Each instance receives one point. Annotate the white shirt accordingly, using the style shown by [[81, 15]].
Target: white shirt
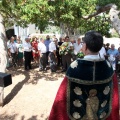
[[92, 57], [77, 48], [52, 47], [42, 48], [12, 47], [8, 42], [102, 52], [27, 47]]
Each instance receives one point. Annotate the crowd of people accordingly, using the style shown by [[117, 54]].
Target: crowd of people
[[47, 52], [89, 90], [90, 83], [43, 52]]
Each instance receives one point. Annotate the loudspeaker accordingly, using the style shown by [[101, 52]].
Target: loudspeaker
[[5, 79]]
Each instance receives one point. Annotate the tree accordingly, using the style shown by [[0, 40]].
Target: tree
[[113, 12], [69, 15], [3, 56], [21, 12]]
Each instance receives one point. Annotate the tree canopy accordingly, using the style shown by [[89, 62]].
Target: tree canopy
[[68, 12]]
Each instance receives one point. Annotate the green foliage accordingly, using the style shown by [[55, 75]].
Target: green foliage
[[105, 2], [27, 11], [68, 12], [115, 34], [98, 23], [80, 55]]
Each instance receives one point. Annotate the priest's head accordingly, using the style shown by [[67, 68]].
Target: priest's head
[[92, 43]]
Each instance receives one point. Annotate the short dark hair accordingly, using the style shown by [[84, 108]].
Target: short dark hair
[[93, 40], [67, 37]]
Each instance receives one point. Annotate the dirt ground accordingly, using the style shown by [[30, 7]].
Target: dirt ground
[[31, 95]]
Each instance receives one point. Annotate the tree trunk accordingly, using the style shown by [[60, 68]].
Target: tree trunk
[[67, 30], [3, 56], [114, 18], [114, 15], [41, 31]]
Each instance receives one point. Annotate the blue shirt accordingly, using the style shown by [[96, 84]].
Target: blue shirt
[[112, 57], [47, 42], [113, 52]]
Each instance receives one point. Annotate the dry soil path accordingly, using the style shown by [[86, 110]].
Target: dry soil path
[[31, 95]]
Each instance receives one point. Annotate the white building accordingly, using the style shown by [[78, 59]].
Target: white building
[[24, 32]]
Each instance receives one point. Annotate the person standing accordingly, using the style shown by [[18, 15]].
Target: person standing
[[13, 51], [42, 53], [52, 55], [112, 54], [66, 58], [20, 52], [107, 46], [35, 50], [27, 53], [118, 62], [47, 42], [102, 53], [59, 57], [15, 38], [89, 90], [77, 48]]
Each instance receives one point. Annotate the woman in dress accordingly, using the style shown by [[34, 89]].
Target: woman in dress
[[35, 50], [20, 52]]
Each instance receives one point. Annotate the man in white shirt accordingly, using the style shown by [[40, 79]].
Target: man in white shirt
[[27, 53], [102, 53], [52, 55], [13, 51], [77, 48], [112, 54], [42, 52]]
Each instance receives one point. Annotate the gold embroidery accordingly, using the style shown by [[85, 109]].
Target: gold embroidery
[[78, 91], [92, 106], [74, 64], [104, 103], [107, 90], [76, 115], [77, 103], [103, 115], [68, 101], [108, 63], [88, 82]]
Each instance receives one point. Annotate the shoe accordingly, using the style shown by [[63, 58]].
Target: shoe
[[53, 71], [63, 70], [26, 69], [45, 69], [40, 69], [30, 68]]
